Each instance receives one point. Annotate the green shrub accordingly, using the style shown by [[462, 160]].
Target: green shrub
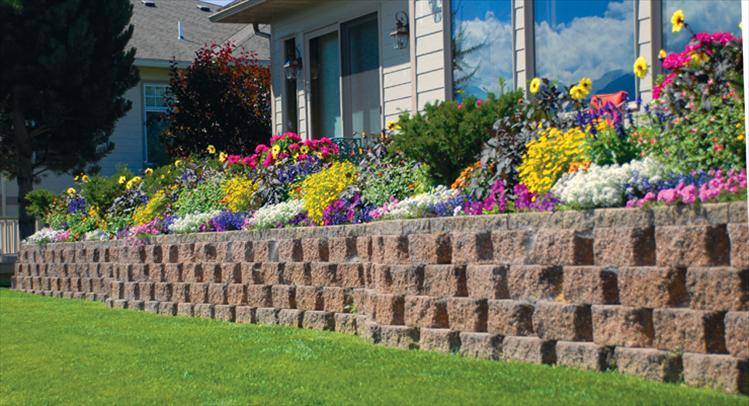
[[205, 197], [612, 145], [39, 202], [447, 136], [393, 177]]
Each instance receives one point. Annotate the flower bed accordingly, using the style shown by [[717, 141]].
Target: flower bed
[[553, 150]]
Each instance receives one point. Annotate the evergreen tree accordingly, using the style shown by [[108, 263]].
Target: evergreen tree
[[64, 68]]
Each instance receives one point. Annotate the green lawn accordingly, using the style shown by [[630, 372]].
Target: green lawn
[[58, 351]]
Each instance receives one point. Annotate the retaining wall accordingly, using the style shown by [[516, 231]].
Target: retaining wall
[[661, 293]]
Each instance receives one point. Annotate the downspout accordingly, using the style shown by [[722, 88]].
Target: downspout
[[256, 27], [745, 47]]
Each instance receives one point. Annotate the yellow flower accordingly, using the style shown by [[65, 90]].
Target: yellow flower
[[741, 25], [393, 125], [84, 178], [304, 149], [586, 84], [177, 163], [71, 191], [222, 157], [535, 85], [148, 171], [133, 182], [677, 20], [122, 180], [741, 137], [211, 149], [577, 92], [700, 57], [276, 149], [662, 54], [641, 67], [161, 177], [76, 178]]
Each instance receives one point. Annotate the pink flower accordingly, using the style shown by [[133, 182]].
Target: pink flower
[[460, 106], [668, 196], [283, 155], [261, 148], [274, 138], [302, 157], [268, 161], [688, 194], [233, 159], [478, 103], [293, 147]]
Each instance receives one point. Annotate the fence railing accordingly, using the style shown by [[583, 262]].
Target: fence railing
[[10, 238]]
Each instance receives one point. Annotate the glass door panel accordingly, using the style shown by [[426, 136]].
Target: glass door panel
[[361, 75], [325, 86]]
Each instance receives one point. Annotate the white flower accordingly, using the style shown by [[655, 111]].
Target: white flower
[[275, 215], [604, 186], [44, 236], [96, 235], [415, 206], [191, 223]]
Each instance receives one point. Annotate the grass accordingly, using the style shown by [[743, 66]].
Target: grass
[[58, 351]]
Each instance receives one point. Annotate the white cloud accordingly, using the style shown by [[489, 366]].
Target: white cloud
[[709, 16], [588, 46], [494, 60]]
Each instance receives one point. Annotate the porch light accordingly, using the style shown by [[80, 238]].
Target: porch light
[[400, 35], [292, 67]]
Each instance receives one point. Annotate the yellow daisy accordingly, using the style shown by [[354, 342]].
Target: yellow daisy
[[677, 20], [211, 149], [640, 67], [535, 85]]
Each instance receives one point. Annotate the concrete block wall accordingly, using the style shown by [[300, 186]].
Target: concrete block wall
[[662, 294]]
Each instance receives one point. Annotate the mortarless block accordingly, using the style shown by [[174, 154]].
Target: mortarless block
[[284, 296], [203, 310], [185, 309], [236, 294], [534, 282], [472, 248], [583, 355], [511, 246], [661, 366], [717, 371], [342, 249], [487, 282], [309, 298], [231, 272], [718, 289], [429, 248], [318, 320], [685, 330], [245, 314], [624, 246], [224, 312], [445, 280], [692, 245], [336, 300], [297, 273], [323, 274], [467, 314], [652, 287], [315, 249], [351, 275], [388, 309], [562, 247], [290, 317], [199, 293], [266, 315], [217, 293], [528, 349], [510, 317], [559, 321], [439, 339], [622, 326], [403, 337], [290, 250], [426, 312], [480, 345], [739, 236], [590, 285], [345, 323], [259, 296], [737, 334]]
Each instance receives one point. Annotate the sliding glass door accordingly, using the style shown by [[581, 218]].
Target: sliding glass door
[[325, 86], [361, 75]]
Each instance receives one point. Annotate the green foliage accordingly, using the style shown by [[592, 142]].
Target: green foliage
[[157, 205], [162, 360], [446, 136], [612, 146], [40, 202], [205, 197], [699, 140], [393, 177], [100, 191]]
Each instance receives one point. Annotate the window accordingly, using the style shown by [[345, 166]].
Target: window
[[290, 105], [702, 16], [155, 108], [582, 38], [481, 46], [361, 76], [325, 86]]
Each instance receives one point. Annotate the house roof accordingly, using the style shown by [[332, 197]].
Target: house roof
[[156, 40], [257, 11]]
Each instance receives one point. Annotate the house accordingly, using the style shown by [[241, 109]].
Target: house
[[165, 30], [341, 68]]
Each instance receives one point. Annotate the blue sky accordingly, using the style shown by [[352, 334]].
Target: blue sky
[[220, 3]]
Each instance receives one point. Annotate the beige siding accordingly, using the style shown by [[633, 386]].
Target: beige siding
[[429, 32], [648, 14], [523, 42]]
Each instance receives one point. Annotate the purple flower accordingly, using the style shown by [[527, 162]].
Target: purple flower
[[227, 220], [76, 204]]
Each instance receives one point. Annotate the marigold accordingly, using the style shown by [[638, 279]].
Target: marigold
[[640, 67], [677, 20]]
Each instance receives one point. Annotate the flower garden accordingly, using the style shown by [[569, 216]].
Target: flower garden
[[555, 148]]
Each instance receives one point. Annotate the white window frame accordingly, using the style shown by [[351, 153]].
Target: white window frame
[[150, 109]]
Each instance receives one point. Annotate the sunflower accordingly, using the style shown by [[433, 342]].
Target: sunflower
[[640, 67], [535, 85], [677, 20], [393, 125], [577, 92], [662, 54], [586, 84], [211, 149]]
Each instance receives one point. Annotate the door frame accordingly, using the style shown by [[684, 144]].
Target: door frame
[[308, 36]]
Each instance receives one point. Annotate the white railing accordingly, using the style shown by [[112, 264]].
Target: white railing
[[10, 238]]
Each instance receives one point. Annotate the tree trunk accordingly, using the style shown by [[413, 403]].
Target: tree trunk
[[24, 171]]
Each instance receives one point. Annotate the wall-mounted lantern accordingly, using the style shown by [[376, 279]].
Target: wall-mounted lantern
[[400, 35], [292, 67]]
